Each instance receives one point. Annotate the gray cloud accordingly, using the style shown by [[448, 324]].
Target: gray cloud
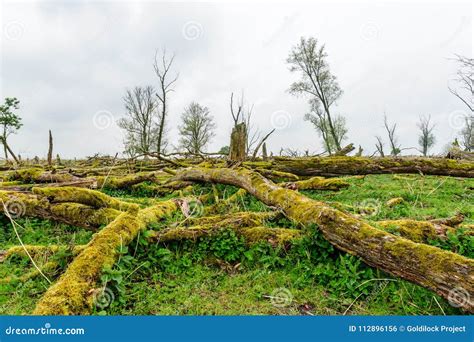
[[66, 61]]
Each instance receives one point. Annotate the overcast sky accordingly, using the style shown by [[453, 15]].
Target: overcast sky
[[69, 63]]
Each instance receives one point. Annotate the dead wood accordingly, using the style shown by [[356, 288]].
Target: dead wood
[[433, 268]]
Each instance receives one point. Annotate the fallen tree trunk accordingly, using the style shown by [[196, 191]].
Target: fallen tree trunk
[[70, 211], [71, 294], [417, 231], [252, 235], [336, 166], [440, 271], [318, 183]]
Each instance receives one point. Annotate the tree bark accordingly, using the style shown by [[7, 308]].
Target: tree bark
[[238, 142], [336, 166], [50, 149], [441, 271], [71, 294]]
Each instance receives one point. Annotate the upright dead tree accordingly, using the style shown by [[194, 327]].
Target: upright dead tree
[[426, 139], [379, 146], [392, 137], [50, 149], [238, 137], [310, 60], [162, 66]]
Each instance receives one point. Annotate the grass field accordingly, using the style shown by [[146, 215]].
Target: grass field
[[222, 275]]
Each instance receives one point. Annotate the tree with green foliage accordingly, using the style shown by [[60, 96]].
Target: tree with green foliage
[[197, 128], [310, 60], [10, 122]]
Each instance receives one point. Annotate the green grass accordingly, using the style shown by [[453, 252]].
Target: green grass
[[222, 276]]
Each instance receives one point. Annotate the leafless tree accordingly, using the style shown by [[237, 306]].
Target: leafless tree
[[379, 146], [242, 113], [197, 128], [395, 148], [464, 90], [162, 65], [426, 139], [141, 121], [318, 82]]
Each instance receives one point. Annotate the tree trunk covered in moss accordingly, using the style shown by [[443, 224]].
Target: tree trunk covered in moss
[[238, 143], [71, 294], [417, 231], [336, 166], [441, 271]]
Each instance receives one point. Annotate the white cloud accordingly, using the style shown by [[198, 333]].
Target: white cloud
[[74, 59]]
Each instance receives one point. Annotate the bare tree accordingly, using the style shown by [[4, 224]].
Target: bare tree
[[162, 66], [395, 148], [141, 121], [426, 139], [379, 146], [465, 82], [318, 82], [197, 128]]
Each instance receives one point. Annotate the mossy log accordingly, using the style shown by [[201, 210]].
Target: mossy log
[[245, 218], [336, 166], [39, 251], [277, 176], [431, 267], [74, 214], [453, 221], [88, 197], [252, 235], [125, 182], [318, 183], [38, 175], [49, 266], [417, 231], [71, 293]]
